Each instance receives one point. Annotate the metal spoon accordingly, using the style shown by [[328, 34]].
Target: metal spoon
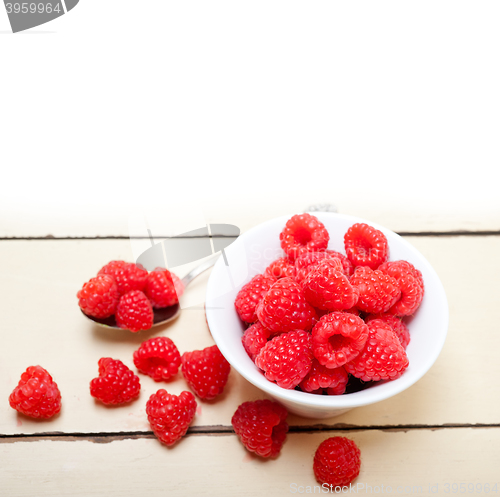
[[164, 314]]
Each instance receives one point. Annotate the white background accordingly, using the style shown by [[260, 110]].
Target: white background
[[250, 109]]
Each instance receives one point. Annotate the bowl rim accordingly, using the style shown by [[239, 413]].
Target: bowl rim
[[384, 389]]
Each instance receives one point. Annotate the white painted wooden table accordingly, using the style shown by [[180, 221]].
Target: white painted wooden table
[[441, 436]]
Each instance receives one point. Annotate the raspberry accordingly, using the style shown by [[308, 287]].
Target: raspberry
[[307, 261], [338, 338], [127, 275], [261, 426], [303, 233], [377, 291], [170, 415], [206, 371], [366, 246], [280, 268], [346, 263], [99, 297], [158, 358], [116, 383], [382, 358], [134, 312], [254, 338], [36, 394], [397, 325], [284, 308], [397, 269], [325, 287], [160, 288], [250, 295], [322, 377], [286, 358], [337, 462]]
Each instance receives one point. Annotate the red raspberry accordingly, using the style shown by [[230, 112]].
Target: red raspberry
[[158, 358], [303, 233], [250, 295], [206, 371], [366, 246], [377, 291], [398, 269], [116, 383], [346, 263], [322, 377], [383, 357], [261, 426], [397, 325], [338, 338], [36, 394], [254, 338], [286, 358], [170, 415], [280, 268], [337, 462], [160, 288], [285, 308], [307, 261], [134, 312], [127, 275], [325, 287], [99, 297]]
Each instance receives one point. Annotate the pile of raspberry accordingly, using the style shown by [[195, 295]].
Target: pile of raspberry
[[318, 317], [130, 294]]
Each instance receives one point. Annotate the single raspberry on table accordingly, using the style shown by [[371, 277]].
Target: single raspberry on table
[[134, 312], [382, 358], [320, 377], [325, 287], [116, 383], [254, 338], [397, 325], [161, 288], [36, 394], [280, 268], [378, 292], [128, 276], [99, 297], [338, 338], [170, 415], [284, 308], [366, 246], [286, 358], [158, 358], [337, 461], [303, 233], [206, 371], [250, 295], [261, 426]]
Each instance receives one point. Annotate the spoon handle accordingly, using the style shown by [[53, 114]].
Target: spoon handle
[[199, 269]]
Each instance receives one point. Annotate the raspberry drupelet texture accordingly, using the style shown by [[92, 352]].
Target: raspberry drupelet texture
[[398, 269], [308, 260], [326, 287], [338, 338], [397, 325], [99, 297], [36, 394], [337, 461], [250, 295], [366, 246], [320, 377], [206, 371], [254, 338], [160, 288], [134, 312], [284, 308], [303, 233], [286, 358], [128, 276], [116, 383], [261, 426], [170, 415], [280, 268], [378, 292], [158, 358], [382, 358]]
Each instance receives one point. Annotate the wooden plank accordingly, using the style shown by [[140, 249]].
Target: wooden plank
[[42, 324], [419, 462]]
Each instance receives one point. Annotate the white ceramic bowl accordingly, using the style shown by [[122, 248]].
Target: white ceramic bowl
[[255, 249]]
